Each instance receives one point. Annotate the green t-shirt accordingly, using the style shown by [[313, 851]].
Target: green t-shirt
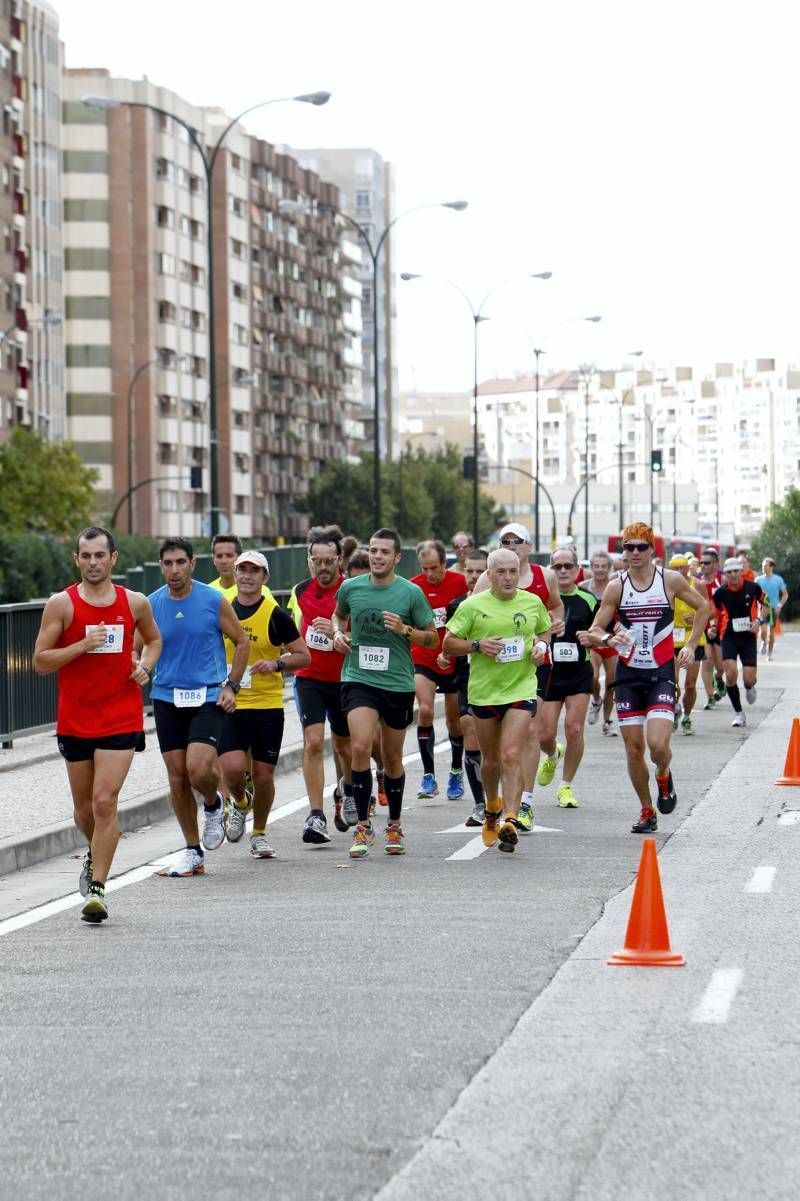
[[380, 658], [512, 675]]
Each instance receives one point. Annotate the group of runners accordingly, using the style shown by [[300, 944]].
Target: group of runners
[[511, 646]]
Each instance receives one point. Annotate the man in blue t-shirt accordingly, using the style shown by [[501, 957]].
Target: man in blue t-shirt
[[191, 692], [776, 595]]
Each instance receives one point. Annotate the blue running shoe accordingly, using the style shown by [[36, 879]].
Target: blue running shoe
[[455, 785], [428, 786]]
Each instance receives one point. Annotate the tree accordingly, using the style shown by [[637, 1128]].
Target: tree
[[44, 487], [780, 540]]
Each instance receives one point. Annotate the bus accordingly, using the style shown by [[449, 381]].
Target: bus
[[668, 545]]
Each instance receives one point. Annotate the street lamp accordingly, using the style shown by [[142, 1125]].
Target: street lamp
[[477, 318], [140, 370], [374, 252], [208, 160]]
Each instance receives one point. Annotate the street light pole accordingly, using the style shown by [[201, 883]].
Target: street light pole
[[538, 351], [208, 160], [139, 371]]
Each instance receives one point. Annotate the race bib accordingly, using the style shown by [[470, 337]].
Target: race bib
[[439, 617], [317, 641], [742, 625], [189, 698], [512, 650], [247, 677], [373, 658], [113, 642], [564, 652], [679, 635]]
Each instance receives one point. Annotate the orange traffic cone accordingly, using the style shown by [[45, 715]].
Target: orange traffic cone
[[647, 936], [791, 768]]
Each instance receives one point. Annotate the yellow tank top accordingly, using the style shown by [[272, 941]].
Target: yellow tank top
[[683, 622], [258, 690]]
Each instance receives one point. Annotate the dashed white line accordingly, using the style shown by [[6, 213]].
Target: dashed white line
[[790, 818], [762, 879], [715, 1005]]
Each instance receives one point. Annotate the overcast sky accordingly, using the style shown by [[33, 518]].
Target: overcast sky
[[644, 152]]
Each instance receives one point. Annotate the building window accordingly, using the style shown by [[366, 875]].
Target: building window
[[166, 310], [241, 504], [164, 216], [165, 169], [363, 200], [167, 406], [165, 264]]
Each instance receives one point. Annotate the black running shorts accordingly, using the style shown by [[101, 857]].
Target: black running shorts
[[318, 701], [396, 709], [740, 646], [498, 712], [445, 683], [176, 728], [556, 684], [79, 750], [259, 731]]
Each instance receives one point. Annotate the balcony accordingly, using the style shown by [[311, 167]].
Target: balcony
[[21, 319], [20, 262]]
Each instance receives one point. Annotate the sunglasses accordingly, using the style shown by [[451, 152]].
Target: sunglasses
[[564, 566], [706, 562], [511, 541], [322, 562], [630, 547], [460, 545]]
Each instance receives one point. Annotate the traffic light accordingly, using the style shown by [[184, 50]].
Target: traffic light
[[195, 477], [656, 461], [468, 467]]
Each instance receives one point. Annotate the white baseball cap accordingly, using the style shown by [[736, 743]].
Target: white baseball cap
[[517, 530], [732, 565], [253, 556]]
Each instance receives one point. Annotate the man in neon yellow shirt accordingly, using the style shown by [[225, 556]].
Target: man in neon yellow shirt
[[502, 632], [225, 550], [681, 631]]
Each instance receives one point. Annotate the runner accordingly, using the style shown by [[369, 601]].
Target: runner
[[642, 599], [435, 672], [776, 595], [713, 679], [683, 622], [743, 555], [225, 549], [318, 686], [737, 603], [462, 544], [502, 632], [359, 565], [474, 567], [191, 693], [252, 735], [388, 615], [100, 720], [604, 658], [565, 680]]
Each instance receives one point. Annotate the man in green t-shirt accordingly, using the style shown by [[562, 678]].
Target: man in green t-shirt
[[386, 614], [500, 630]]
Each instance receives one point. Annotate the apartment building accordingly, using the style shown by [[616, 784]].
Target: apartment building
[[32, 393]]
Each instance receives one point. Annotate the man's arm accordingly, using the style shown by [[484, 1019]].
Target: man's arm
[[427, 636], [229, 624], [148, 637], [696, 599], [597, 634], [57, 615]]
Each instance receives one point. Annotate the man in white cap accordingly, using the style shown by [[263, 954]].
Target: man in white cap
[[541, 582], [256, 725], [738, 603]]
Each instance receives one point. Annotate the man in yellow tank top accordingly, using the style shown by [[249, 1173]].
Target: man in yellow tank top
[[681, 631], [257, 724]]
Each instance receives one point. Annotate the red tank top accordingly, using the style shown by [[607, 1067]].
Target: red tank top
[[96, 696], [538, 585]]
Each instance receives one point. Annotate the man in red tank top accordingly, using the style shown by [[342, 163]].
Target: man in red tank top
[[86, 636]]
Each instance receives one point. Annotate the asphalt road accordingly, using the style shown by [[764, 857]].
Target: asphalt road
[[301, 1028]]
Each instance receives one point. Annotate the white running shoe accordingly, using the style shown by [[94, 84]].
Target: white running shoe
[[237, 818], [214, 825], [608, 729], [349, 810], [594, 711], [739, 720], [190, 863], [750, 695], [260, 848]]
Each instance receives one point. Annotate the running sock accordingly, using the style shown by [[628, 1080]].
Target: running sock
[[663, 784], [472, 765], [456, 752], [526, 799], [316, 813], [362, 794], [239, 804], [255, 833], [98, 886], [348, 789], [199, 849], [554, 757], [213, 808], [426, 740], [394, 794], [380, 776], [735, 699]]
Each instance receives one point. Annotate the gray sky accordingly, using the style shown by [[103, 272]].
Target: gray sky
[[645, 152]]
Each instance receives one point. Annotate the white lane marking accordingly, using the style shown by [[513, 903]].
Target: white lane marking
[[762, 879], [470, 850], [791, 818], [716, 1002], [464, 829]]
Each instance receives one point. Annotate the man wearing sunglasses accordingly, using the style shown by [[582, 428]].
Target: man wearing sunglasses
[[738, 603], [710, 579], [462, 544], [642, 599]]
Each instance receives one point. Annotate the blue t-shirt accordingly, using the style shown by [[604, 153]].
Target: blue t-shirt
[[193, 655], [773, 585]]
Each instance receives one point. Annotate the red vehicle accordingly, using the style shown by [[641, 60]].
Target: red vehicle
[[690, 544]]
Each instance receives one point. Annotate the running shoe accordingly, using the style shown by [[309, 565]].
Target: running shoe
[[428, 786], [349, 810], [524, 819], [363, 839], [769, 656], [547, 768], [711, 703], [338, 819], [566, 797], [382, 797], [686, 725], [739, 720], [455, 785], [609, 730], [237, 818], [750, 695], [477, 817], [85, 878], [677, 716], [491, 826], [316, 829], [720, 687], [214, 825], [95, 910], [647, 823], [507, 836], [191, 863], [594, 711], [666, 801], [260, 848], [763, 648], [393, 841]]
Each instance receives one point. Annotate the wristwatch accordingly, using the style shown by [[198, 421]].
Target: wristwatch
[[605, 638], [475, 645], [230, 684], [407, 632]]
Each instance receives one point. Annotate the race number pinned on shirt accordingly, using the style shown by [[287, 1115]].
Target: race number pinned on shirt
[[373, 658], [189, 698], [512, 650], [247, 677], [564, 652], [742, 625], [439, 618], [113, 642], [317, 641], [679, 635]]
